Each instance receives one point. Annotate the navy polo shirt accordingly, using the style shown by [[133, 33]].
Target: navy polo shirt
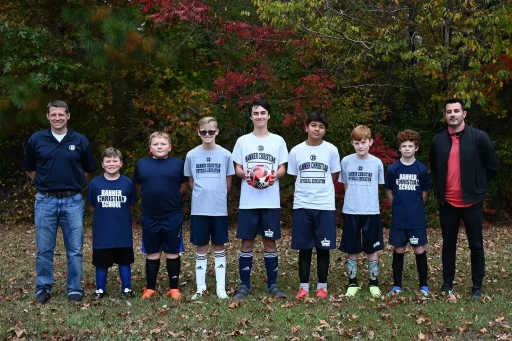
[[59, 166], [160, 181]]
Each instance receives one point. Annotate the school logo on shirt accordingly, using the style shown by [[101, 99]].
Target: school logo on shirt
[[111, 198], [260, 148], [260, 159], [208, 169], [71, 147], [312, 157], [313, 172], [360, 178], [407, 182]]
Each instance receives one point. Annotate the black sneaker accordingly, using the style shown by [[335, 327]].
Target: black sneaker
[[127, 293], [99, 294], [446, 289], [75, 298], [477, 294], [276, 292], [243, 292], [43, 297]]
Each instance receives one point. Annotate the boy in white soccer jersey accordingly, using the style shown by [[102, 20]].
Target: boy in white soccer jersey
[[315, 166], [209, 168], [361, 174], [407, 188], [259, 206]]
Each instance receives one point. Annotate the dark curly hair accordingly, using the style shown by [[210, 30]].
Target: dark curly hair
[[408, 135]]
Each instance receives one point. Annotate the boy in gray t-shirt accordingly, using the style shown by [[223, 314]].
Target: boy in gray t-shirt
[[210, 169], [361, 173]]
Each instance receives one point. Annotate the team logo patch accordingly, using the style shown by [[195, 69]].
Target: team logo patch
[[208, 159], [260, 148], [325, 242], [269, 233], [71, 147], [413, 240], [360, 168], [312, 157]]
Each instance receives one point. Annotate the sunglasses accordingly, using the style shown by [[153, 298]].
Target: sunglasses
[[209, 132]]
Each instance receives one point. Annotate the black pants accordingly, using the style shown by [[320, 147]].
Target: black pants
[[472, 217]]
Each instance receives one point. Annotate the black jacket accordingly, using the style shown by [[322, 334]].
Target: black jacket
[[478, 163]]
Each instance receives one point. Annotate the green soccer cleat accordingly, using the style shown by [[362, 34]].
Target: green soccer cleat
[[375, 291], [352, 291]]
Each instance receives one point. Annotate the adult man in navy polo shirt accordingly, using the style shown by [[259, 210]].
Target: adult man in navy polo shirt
[[462, 160], [58, 160]]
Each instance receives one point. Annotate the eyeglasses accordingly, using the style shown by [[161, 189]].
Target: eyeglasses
[[209, 132]]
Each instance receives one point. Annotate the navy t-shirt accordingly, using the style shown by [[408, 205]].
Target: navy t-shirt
[[160, 180], [408, 183], [112, 220], [59, 166]]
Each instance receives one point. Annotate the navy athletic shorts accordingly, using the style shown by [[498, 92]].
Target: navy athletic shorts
[[313, 228], [203, 227], [265, 222], [361, 233]]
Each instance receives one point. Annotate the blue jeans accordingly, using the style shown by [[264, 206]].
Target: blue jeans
[[49, 212]]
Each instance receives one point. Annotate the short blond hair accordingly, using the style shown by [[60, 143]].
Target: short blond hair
[[111, 152], [361, 132], [205, 120], [159, 134]]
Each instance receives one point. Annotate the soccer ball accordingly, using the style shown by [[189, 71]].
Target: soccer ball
[[260, 177]]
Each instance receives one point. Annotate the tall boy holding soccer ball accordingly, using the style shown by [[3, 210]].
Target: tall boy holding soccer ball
[[260, 159]]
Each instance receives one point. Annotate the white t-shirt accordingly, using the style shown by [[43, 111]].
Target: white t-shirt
[[58, 137], [313, 166], [209, 168], [270, 152], [363, 178]]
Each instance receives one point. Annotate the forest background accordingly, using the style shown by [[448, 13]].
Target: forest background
[[128, 68]]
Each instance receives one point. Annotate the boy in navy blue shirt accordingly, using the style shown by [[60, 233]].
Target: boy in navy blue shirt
[[110, 196], [406, 188], [162, 183]]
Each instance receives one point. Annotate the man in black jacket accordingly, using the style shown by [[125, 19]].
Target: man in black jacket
[[462, 160]]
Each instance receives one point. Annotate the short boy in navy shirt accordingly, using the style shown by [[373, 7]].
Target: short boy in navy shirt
[[406, 188], [110, 197], [161, 182]]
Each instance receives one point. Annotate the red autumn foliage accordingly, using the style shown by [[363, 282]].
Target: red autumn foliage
[[177, 10]]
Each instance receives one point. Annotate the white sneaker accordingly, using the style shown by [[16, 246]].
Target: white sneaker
[[221, 293], [198, 295]]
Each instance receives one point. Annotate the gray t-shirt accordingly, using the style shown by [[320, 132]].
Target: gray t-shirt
[[209, 168], [363, 178]]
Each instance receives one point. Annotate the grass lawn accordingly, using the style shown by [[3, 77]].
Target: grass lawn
[[407, 317]]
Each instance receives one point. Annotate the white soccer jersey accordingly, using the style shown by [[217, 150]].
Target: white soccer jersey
[[313, 166], [269, 152]]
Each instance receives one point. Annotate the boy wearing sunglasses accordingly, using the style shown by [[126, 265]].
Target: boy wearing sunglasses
[[209, 168]]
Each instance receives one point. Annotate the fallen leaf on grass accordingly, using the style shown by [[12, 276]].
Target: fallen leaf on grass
[[371, 334], [294, 330], [422, 336], [235, 304], [353, 317]]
